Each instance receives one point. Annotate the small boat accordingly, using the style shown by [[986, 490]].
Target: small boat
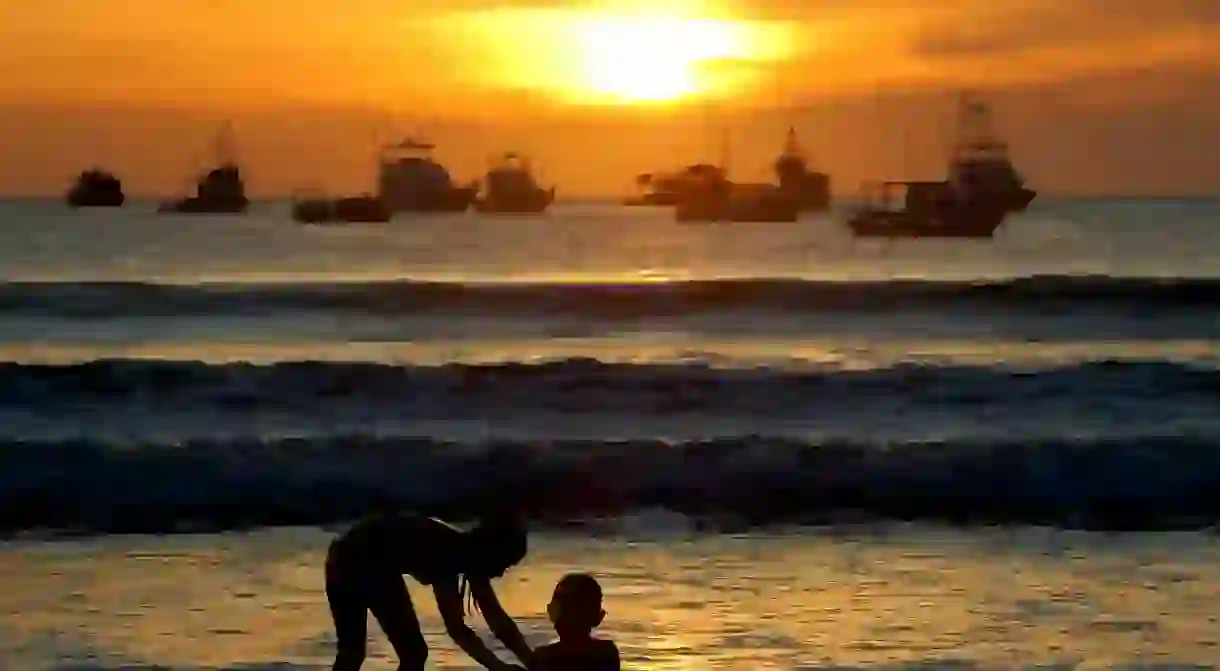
[[710, 196], [510, 188], [410, 180], [219, 191], [96, 188], [352, 209]]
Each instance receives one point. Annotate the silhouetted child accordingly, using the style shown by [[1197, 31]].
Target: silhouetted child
[[364, 572], [576, 610]]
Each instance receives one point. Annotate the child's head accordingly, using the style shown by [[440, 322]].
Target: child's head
[[576, 605]]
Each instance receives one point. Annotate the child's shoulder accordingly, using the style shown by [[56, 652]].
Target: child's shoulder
[[595, 654]]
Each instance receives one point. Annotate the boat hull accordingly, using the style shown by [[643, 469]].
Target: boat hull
[[652, 200], [977, 223], [201, 206], [458, 199], [355, 210], [535, 203], [751, 210], [79, 200]]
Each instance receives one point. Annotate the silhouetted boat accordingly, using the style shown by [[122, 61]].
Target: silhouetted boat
[[666, 188], [810, 189], [96, 188], [708, 195], [982, 190], [510, 188], [409, 180], [219, 191], [353, 209]]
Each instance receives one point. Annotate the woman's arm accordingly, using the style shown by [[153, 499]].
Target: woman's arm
[[501, 625], [449, 603]]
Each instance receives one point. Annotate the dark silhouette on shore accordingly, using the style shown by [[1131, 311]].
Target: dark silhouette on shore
[[575, 611], [364, 572]]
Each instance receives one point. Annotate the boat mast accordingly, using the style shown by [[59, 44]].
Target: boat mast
[[225, 150], [975, 130]]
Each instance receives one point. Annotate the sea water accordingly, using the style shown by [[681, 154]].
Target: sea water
[[206, 374]]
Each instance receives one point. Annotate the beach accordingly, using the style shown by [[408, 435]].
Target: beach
[[897, 597]]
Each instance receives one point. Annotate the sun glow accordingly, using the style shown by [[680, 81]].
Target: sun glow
[[616, 55], [651, 59]]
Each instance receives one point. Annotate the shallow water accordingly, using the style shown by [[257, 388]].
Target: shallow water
[[884, 598]]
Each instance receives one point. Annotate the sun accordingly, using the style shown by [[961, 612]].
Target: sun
[[623, 52], [642, 59], [650, 59]]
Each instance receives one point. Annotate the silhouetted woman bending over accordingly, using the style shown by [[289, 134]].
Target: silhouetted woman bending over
[[364, 572]]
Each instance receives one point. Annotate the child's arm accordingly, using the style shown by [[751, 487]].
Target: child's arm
[[449, 603]]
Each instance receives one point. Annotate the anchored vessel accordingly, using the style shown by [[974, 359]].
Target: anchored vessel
[[410, 180], [96, 188], [220, 190], [713, 197], [510, 188], [982, 190]]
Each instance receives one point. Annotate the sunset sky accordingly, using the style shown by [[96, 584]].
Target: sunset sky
[[1095, 95]]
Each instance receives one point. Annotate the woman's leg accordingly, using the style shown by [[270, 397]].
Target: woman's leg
[[350, 613], [391, 605]]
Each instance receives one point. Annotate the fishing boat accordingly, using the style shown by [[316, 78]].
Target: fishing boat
[[510, 188], [96, 188], [982, 190], [221, 190], [709, 196], [409, 179]]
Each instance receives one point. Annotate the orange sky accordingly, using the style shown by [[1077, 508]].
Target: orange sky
[[1096, 95]]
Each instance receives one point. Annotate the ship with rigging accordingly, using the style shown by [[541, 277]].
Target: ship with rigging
[[221, 190], [983, 188]]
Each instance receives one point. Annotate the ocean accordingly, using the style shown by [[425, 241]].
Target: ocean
[[779, 446]]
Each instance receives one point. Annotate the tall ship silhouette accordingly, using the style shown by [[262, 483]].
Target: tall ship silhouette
[[511, 188], [221, 190], [810, 189], [410, 180], [983, 188], [96, 188]]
